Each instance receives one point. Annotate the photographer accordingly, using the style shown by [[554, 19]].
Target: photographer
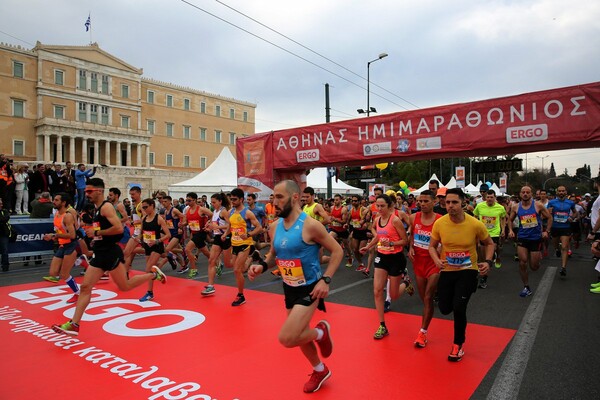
[[7, 183]]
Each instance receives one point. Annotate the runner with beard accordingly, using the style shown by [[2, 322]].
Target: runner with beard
[[561, 208], [296, 240], [339, 227]]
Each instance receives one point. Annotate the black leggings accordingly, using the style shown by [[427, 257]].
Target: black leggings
[[454, 291]]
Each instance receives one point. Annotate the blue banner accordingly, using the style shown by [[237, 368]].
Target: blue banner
[[30, 236]]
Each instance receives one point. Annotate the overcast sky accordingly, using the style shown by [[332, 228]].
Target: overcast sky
[[440, 52]]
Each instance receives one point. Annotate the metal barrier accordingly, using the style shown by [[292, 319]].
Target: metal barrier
[[30, 238]]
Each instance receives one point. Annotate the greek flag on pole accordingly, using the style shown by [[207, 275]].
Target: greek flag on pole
[[88, 23]]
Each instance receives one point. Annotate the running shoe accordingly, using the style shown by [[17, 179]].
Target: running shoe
[[325, 344], [316, 380], [595, 290], [482, 283], [569, 253], [239, 300], [498, 263], [563, 272], [68, 328], [595, 285], [456, 354], [219, 269], [183, 269], [83, 261], [105, 277], [208, 290], [73, 299], [557, 253], [172, 261], [366, 272], [382, 332], [52, 279], [147, 296], [387, 305], [421, 340], [160, 276], [361, 268], [193, 272], [516, 257], [410, 289], [525, 292], [256, 256], [349, 263]]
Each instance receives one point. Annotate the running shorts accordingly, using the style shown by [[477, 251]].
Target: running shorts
[[301, 295], [394, 264]]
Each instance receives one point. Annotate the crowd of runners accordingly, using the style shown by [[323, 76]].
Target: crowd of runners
[[450, 240]]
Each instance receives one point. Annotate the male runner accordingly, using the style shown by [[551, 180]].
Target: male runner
[[339, 227], [560, 208], [295, 250], [261, 215], [373, 210], [64, 234], [220, 227], [427, 273], [107, 231], [530, 234], [458, 233], [196, 218], [493, 216], [240, 219], [133, 247], [358, 224], [173, 217], [312, 208]]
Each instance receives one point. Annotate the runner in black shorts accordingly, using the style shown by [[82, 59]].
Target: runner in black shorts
[[107, 231]]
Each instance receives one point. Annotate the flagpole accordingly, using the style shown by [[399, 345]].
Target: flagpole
[[90, 15]]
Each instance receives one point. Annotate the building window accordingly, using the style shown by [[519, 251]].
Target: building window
[[186, 104], [151, 126], [169, 100], [231, 138], [94, 82], [169, 129], [186, 132], [18, 108], [82, 80], [82, 112], [218, 111], [105, 84], [245, 116], [124, 121], [217, 136], [59, 112], [150, 97], [17, 69], [203, 107], [104, 120], [186, 161], [169, 160], [94, 113], [231, 113], [203, 162], [59, 77], [151, 160], [18, 148], [203, 134], [125, 91]]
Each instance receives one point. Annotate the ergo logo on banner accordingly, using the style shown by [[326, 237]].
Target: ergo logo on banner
[[307, 155], [527, 133], [112, 309]]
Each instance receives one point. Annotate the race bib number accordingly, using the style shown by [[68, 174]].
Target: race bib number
[[236, 234], [148, 236], [291, 272], [422, 239], [384, 245], [170, 224], [489, 222], [529, 221], [561, 217], [96, 226], [336, 223], [194, 226], [458, 259], [356, 224]]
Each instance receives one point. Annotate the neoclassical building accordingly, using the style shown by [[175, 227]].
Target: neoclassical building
[[82, 104]]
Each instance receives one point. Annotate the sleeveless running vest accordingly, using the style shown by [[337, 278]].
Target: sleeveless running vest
[[310, 211], [59, 227], [387, 234], [530, 223], [422, 235], [172, 222], [102, 223], [239, 227], [151, 230]]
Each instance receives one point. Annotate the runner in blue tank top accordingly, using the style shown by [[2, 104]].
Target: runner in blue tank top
[[296, 240], [561, 209], [530, 234]]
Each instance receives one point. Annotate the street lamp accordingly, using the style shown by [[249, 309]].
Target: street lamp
[[370, 109], [542, 157]]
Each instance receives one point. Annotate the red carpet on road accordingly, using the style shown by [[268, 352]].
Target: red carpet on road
[[182, 346]]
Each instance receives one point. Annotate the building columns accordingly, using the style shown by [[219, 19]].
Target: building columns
[[139, 155], [147, 156], [84, 151], [97, 151], [46, 148], [59, 154], [119, 154], [107, 153], [128, 154], [71, 149]]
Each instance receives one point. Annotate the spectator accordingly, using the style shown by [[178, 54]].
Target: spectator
[[4, 236], [81, 177], [42, 207], [21, 189], [39, 181], [7, 184], [55, 179]]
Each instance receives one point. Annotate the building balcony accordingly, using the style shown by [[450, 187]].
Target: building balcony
[[100, 131]]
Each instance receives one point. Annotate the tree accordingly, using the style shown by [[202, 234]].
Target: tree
[[552, 173]]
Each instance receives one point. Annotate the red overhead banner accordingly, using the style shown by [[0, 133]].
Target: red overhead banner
[[547, 120], [255, 165]]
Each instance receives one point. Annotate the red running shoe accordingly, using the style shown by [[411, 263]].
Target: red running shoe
[[316, 380], [73, 299], [325, 344]]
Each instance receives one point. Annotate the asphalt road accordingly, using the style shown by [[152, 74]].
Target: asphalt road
[[558, 360]]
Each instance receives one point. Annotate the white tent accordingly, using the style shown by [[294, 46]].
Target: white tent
[[317, 179], [471, 189], [451, 183], [426, 185], [219, 176]]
